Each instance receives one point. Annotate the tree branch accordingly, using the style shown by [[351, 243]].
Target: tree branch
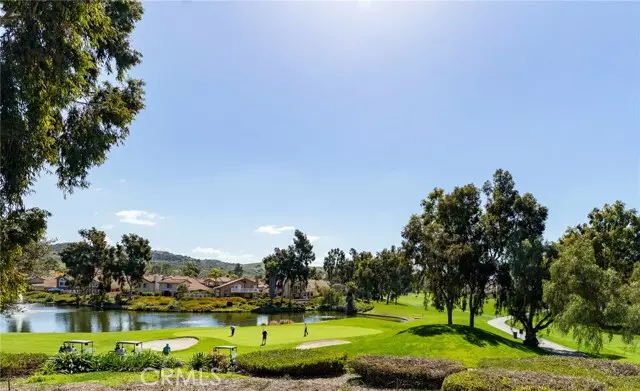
[[8, 16]]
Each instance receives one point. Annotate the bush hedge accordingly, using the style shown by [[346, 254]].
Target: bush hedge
[[20, 364], [217, 361], [294, 363], [82, 362], [404, 372], [574, 366], [505, 380]]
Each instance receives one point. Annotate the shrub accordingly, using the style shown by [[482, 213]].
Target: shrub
[[20, 364], [72, 363], [362, 306], [574, 366], [294, 363], [212, 361], [82, 362], [134, 362], [404, 372], [504, 380]]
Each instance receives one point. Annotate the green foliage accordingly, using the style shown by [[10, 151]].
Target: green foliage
[[289, 265], [404, 372], [211, 361], [71, 363], [190, 269], [238, 270], [215, 273], [85, 259], [334, 266], [514, 224], [560, 365], [362, 306], [136, 256], [503, 380], [20, 364], [82, 362], [595, 283], [57, 112], [331, 298], [190, 304], [19, 230], [294, 363]]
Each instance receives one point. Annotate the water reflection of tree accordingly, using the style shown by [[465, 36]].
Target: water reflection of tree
[[76, 321]]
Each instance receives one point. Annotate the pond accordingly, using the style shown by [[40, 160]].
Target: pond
[[40, 318]]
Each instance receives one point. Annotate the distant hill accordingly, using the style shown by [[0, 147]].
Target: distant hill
[[176, 260]]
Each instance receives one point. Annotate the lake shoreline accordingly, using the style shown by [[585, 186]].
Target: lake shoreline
[[38, 318]]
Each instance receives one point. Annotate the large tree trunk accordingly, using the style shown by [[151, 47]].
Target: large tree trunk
[[472, 311], [130, 288], [449, 313], [530, 338], [388, 297]]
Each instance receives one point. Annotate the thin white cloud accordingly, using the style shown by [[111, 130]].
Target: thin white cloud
[[138, 217], [273, 230], [162, 249], [95, 213], [313, 238], [107, 227], [221, 255], [123, 181], [99, 188]]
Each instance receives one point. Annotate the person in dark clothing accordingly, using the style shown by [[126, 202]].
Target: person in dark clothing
[[233, 330], [264, 337], [306, 332]]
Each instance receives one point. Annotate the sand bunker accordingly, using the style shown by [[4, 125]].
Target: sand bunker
[[322, 343], [174, 343]]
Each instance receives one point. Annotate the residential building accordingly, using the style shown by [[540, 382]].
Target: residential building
[[241, 287], [44, 284], [150, 284], [168, 286], [214, 282], [301, 291]]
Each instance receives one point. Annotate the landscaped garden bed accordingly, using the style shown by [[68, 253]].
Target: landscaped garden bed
[[404, 372], [293, 363]]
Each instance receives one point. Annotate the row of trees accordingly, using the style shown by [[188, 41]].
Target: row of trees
[[289, 265], [472, 244], [385, 275], [93, 258]]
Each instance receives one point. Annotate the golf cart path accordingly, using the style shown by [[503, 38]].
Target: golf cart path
[[322, 343], [174, 343], [551, 347]]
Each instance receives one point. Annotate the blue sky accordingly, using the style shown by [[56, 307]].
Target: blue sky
[[338, 118]]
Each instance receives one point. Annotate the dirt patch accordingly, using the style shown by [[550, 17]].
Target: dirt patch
[[322, 343], [174, 343]]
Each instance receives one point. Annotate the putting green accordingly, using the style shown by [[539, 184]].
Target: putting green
[[279, 335]]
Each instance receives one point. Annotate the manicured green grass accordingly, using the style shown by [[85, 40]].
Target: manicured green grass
[[246, 338], [431, 337], [614, 349], [424, 337]]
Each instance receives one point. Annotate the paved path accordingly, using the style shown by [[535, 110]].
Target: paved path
[[552, 347]]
